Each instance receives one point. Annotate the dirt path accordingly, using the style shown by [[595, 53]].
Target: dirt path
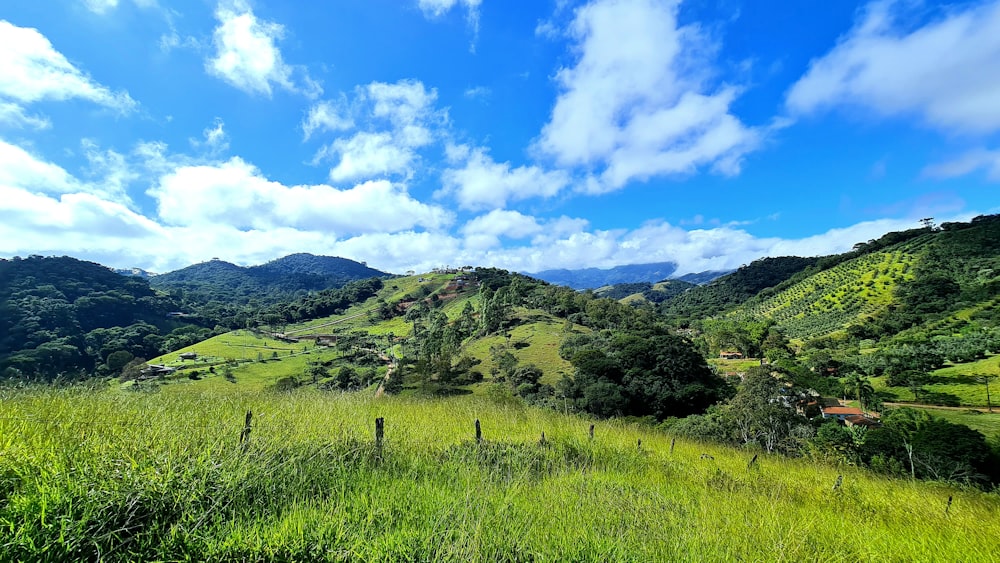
[[996, 410]]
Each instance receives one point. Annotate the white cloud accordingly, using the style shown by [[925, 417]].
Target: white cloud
[[173, 40], [485, 231], [437, 8], [399, 119], [367, 155], [214, 139], [100, 6], [405, 103], [947, 72], [234, 193], [477, 93], [14, 115], [966, 164], [247, 54], [327, 116], [477, 182], [31, 70], [637, 100], [21, 169]]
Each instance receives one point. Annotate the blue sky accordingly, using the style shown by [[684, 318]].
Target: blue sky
[[526, 135]]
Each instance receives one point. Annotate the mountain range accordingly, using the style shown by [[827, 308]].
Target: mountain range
[[593, 278]]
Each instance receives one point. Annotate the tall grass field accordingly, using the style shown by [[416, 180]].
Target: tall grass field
[[117, 475]]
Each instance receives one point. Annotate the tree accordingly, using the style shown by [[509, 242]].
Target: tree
[[861, 387], [759, 412], [317, 371], [985, 380]]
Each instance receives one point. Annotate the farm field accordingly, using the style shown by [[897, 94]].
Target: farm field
[[830, 300], [117, 475]]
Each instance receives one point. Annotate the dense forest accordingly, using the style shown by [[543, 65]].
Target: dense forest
[[66, 318], [277, 281]]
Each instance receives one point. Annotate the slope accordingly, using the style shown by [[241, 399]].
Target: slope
[[108, 475], [275, 281]]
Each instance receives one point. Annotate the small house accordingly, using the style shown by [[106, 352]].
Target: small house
[[730, 355], [188, 356]]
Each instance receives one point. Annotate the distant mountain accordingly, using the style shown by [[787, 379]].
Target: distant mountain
[[593, 278], [296, 274]]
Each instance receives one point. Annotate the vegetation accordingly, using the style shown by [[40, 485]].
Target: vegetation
[[279, 280], [63, 318], [133, 476]]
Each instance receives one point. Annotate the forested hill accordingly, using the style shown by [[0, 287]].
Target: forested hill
[[63, 317], [732, 289], [275, 281]]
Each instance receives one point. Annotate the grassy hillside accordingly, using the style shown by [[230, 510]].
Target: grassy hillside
[[256, 360], [832, 299], [133, 476]]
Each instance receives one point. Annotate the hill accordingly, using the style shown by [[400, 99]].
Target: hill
[[68, 318], [919, 281], [281, 279], [734, 288], [592, 278], [645, 292]]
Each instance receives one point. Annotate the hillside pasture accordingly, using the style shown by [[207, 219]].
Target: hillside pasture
[[131, 476]]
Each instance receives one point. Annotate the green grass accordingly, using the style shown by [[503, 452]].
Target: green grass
[[535, 343], [953, 385], [988, 424], [90, 475]]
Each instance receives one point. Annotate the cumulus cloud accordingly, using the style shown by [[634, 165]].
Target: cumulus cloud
[[478, 182], [396, 121], [638, 102], [945, 72], [327, 116], [485, 231], [235, 193], [247, 54], [31, 70]]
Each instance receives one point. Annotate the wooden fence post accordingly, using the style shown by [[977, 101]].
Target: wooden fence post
[[541, 442], [948, 507], [591, 431], [479, 432], [672, 442], [245, 434], [379, 433], [638, 445]]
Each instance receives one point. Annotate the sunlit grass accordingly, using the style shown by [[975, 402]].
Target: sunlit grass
[[89, 475]]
